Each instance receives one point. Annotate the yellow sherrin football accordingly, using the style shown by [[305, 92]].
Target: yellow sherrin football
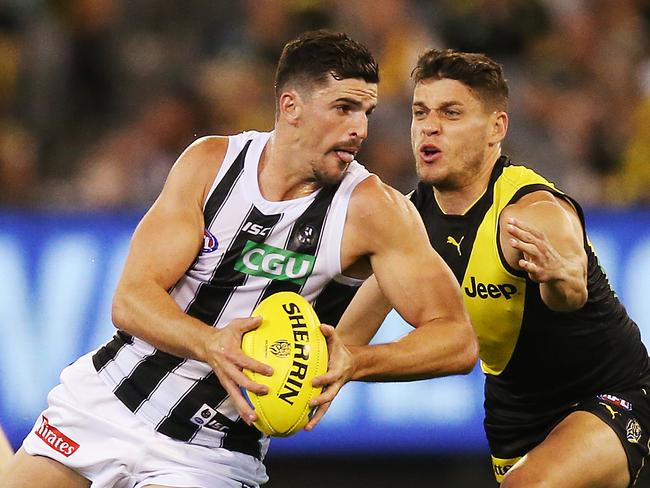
[[289, 339]]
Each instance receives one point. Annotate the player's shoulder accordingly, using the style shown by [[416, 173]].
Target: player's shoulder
[[518, 175], [197, 166], [375, 204], [539, 206], [212, 147], [203, 156], [373, 194]]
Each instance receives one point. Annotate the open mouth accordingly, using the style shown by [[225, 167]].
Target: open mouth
[[429, 152]]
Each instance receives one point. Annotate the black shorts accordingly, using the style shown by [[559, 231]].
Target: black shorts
[[626, 412]]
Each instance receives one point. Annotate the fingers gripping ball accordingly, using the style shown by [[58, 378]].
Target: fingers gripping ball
[[289, 339]]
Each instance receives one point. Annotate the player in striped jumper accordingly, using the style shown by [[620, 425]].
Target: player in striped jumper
[[240, 218]]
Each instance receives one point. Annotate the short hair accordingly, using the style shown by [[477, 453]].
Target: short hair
[[480, 73], [314, 55]]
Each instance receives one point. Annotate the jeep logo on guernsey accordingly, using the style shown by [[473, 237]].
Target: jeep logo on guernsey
[[490, 290], [271, 262], [54, 438]]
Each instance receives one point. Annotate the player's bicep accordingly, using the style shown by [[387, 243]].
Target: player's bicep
[[547, 217], [411, 274], [169, 236], [164, 244]]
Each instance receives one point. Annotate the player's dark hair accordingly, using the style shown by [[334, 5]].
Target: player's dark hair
[[315, 55], [481, 74]]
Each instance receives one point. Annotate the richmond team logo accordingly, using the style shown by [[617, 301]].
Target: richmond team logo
[[633, 431], [56, 439], [210, 243], [280, 348]]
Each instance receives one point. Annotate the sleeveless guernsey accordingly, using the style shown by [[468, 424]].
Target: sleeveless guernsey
[[536, 361], [252, 249]]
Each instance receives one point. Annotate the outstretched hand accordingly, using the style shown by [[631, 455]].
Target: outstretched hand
[[339, 371], [225, 357], [540, 259]]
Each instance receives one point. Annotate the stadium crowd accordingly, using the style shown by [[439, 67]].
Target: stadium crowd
[[98, 97]]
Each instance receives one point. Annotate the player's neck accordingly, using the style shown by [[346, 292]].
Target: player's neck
[[279, 177]]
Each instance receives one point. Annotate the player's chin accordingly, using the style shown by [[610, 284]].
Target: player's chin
[[428, 174], [331, 176]]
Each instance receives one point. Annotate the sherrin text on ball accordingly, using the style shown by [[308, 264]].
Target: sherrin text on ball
[[289, 339]]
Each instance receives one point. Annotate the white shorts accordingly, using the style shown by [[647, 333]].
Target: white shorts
[[86, 428]]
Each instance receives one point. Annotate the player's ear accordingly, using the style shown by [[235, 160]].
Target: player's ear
[[498, 127], [290, 106]]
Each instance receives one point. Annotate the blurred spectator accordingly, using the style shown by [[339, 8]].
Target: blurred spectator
[[236, 95], [631, 184], [396, 33], [499, 28], [87, 118], [18, 173], [129, 166]]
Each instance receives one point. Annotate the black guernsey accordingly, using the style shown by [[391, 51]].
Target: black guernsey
[[537, 362]]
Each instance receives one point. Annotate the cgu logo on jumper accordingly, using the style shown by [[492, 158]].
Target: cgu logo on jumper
[[275, 263]]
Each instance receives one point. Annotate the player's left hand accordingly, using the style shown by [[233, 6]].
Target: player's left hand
[[540, 259], [339, 371]]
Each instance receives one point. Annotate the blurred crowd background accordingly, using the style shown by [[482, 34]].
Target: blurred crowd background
[[98, 97]]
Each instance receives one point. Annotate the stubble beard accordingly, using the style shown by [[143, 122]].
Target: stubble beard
[[325, 178], [454, 180]]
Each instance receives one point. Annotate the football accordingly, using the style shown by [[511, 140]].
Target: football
[[289, 340]]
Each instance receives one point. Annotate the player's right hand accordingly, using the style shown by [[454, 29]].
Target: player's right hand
[[224, 355]]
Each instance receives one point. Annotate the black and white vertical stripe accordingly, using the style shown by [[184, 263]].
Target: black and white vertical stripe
[[168, 391]]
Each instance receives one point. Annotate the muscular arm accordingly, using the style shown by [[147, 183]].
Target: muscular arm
[[365, 314], [417, 283], [163, 246], [542, 235]]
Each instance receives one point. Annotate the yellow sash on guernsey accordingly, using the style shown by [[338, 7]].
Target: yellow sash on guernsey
[[494, 297]]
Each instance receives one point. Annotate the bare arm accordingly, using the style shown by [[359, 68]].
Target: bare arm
[[365, 314], [423, 290], [164, 245], [384, 226], [542, 235]]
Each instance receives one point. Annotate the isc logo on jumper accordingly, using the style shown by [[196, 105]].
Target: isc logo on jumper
[[490, 290], [256, 229], [271, 262], [54, 438]]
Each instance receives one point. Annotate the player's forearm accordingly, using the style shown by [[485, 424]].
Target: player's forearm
[[562, 296], [567, 293], [434, 349], [149, 313]]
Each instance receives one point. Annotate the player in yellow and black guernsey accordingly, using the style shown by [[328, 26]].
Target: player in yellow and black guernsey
[[567, 376]]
